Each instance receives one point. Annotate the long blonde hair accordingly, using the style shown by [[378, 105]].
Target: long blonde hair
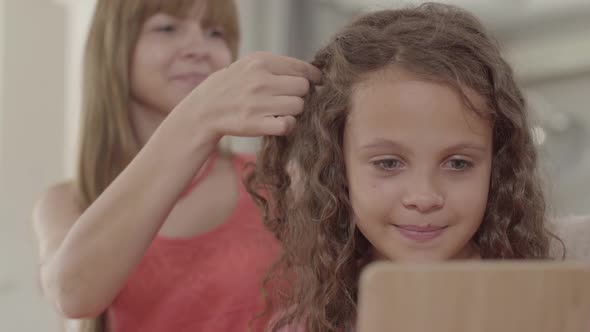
[[107, 139], [108, 142]]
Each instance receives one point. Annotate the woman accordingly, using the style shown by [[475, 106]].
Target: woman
[[156, 230]]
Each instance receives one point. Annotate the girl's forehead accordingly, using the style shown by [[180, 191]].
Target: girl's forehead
[[396, 77], [179, 8], [409, 109]]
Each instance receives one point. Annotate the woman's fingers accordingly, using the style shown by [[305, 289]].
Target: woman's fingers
[[277, 125], [286, 66]]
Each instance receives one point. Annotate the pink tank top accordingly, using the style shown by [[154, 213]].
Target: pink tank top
[[210, 282]]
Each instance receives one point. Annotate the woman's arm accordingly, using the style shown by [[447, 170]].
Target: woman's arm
[[86, 257]]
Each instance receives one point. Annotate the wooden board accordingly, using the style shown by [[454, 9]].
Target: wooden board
[[474, 296]]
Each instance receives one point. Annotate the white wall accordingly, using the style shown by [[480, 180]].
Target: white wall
[[4, 278], [2, 23], [31, 149], [552, 60], [78, 14], [565, 103]]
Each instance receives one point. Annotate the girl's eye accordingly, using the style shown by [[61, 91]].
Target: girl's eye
[[459, 164], [167, 28], [214, 33], [387, 164]]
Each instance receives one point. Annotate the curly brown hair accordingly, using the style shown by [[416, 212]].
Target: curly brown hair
[[324, 252]]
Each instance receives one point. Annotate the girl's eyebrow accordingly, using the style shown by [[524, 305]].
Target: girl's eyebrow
[[383, 143], [477, 147]]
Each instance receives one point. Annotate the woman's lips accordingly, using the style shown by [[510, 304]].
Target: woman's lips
[[190, 79]]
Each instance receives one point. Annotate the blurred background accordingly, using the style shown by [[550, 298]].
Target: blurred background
[[41, 42]]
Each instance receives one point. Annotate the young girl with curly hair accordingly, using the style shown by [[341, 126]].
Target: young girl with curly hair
[[416, 147]]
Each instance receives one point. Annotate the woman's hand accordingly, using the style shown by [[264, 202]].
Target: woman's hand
[[258, 95]]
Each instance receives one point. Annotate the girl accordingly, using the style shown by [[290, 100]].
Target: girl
[[156, 230], [416, 147]]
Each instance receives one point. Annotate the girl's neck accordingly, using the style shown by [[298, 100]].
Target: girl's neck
[[145, 121]]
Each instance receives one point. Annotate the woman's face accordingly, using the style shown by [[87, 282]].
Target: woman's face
[[172, 56], [418, 164]]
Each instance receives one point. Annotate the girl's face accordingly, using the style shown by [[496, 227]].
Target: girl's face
[[172, 56], [418, 163]]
